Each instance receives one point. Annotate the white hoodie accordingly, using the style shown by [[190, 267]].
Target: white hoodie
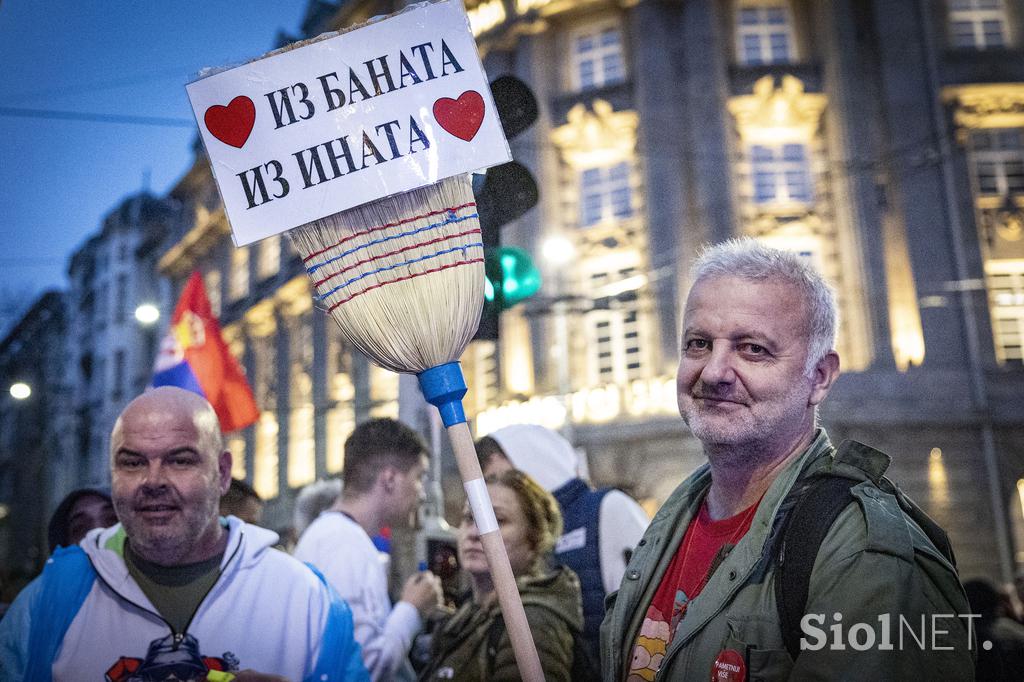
[[266, 612], [550, 459]]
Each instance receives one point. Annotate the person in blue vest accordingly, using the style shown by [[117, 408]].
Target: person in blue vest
[[601, 527]]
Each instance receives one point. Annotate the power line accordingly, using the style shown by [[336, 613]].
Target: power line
[[96, 86], [97, 118], [30, 261]]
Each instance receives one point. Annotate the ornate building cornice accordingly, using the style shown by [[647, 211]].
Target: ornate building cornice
[[596, 138], [988, 105], [780, 114]]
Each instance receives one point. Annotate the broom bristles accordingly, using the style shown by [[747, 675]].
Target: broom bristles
[[402, 276]]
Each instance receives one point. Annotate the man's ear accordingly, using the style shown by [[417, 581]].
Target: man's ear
[[824, 375], [387, 478], [224, 470]]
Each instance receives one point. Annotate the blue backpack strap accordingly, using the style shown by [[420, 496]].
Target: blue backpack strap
[[340, 657], [66, 581]]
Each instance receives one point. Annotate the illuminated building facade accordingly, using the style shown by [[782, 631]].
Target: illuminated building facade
[[881, 141], [884, 142]]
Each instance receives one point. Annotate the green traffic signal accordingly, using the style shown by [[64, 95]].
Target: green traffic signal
[[511, 277]]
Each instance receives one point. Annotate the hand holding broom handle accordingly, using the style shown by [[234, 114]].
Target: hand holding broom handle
[[444, 386]]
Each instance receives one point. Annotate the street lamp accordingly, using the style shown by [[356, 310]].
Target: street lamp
[[559, 251], [147, 314], [20, 390]]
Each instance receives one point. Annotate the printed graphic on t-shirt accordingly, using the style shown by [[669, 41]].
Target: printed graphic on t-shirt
[[166, 661], [650, 647]]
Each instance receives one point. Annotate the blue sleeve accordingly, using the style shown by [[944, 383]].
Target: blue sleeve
[[29, 646], [340, 658], [14, 633]]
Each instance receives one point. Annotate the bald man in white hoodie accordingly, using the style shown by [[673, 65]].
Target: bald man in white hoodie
[[601, 527]]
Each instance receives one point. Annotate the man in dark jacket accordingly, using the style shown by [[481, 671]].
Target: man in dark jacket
[[699, 599]]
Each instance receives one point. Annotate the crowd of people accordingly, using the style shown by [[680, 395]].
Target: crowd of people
[[167, 575]]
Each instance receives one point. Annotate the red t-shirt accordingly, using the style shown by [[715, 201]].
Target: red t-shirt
[[681, 584]]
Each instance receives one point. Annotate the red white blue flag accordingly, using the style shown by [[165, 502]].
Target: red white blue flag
[[194, 356]]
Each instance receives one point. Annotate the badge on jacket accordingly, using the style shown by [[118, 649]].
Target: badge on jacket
[[728, 667]]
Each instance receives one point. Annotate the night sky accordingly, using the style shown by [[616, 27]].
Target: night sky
[[114, 60]]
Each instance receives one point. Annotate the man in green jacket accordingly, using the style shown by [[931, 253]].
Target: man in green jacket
[[698, 600]]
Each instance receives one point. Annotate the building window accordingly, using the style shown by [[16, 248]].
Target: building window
[[605, 194], [978, 24], [383, 392], [270, 257], [236, 446], [213, 291], [1006, 299], [340, 424], [99, 379], [597, 57], [121, 304], [265, 457], [117, 390], [998, 159], [615, 338], [764, 34], [341, 393], [102, 305], [239, 283], [265, 463], [301, 448], [780, 174]]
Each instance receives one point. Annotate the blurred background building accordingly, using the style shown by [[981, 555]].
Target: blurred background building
[[33, 458], [883, 141]]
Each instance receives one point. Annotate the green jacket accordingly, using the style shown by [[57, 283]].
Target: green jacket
[[554, 610], [874, 561]]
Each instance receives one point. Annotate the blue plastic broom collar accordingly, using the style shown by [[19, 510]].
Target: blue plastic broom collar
[[443, 387]]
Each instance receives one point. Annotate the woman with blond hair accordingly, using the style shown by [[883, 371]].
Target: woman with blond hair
[[473, 643]]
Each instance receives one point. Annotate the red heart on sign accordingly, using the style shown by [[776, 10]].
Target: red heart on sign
[[461, 117], [233, 123]]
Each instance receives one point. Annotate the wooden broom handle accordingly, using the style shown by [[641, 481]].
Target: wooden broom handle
[[501, 571]]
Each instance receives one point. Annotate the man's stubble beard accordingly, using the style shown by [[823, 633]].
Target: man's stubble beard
[[166, 545], [741, 444]]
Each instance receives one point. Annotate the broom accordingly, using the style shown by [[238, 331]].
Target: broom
[[404, 279]]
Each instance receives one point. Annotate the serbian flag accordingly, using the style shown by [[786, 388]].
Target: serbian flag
[[194, 356]]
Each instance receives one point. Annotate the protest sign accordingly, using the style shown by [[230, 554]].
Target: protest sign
[[394, 105]]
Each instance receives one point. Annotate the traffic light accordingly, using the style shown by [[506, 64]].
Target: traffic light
[[505, 194], [511, 277]]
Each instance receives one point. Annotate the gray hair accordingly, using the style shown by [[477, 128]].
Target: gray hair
[[312, 500], [751, 260]]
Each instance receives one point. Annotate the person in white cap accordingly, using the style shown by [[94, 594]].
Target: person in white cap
[[601, 527]]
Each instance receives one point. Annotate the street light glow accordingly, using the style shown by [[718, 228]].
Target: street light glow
[[147, 313], [558, 250], [20, 390]]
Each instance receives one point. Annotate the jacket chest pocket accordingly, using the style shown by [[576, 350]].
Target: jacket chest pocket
[[758, 642]]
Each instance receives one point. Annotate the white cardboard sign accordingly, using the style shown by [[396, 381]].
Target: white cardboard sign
[[395, 105]]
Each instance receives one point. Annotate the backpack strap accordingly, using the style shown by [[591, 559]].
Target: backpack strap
[[66, 581], [936, 535], [816, 510]]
